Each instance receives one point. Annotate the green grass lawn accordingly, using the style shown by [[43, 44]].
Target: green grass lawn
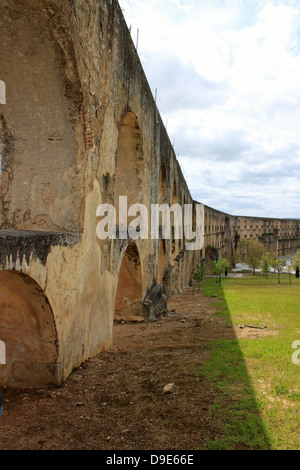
[[259, 399]]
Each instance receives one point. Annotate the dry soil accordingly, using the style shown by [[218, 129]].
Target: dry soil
[[116, 401]]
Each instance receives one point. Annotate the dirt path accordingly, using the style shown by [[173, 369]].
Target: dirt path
[[116, 400]]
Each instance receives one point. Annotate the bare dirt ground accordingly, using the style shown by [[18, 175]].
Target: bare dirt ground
[[116, 401]]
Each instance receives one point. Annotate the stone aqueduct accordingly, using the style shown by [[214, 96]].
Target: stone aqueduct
[[79, 127]]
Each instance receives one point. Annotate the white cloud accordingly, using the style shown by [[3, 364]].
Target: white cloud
[[228, 79]]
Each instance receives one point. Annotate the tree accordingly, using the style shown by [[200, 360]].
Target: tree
[[265, 266], [219, 268], [251, 252], [273, 256], [280, 263], [199, 274]]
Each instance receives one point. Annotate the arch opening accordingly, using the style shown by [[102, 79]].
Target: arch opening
[[162, 197], [27, 328], [162, 262], [129, 173], [174, 194], [128, 304], [175, 243], [163, 186]]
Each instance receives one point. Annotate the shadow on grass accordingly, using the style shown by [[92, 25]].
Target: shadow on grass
[[236, 407]]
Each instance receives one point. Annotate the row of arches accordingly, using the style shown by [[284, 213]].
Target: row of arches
[[133, 181], [42, 191], [40, 177], [27, 324]]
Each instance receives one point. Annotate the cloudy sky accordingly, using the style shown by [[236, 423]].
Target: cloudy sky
[[227, 74]]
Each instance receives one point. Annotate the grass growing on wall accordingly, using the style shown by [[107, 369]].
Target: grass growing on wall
[[259, 404]]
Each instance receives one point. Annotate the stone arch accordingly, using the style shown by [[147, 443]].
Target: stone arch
[[2, 92], [182, 241], [174, 243], [174, 193], [162, 262], [175, 257], [163, 185], [27, 328], [42, 178], [162, 197], [194, 218], [128, 303], [129, 173]]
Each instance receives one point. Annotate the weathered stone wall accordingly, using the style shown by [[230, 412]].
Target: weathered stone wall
[[223, 232], [41, 172], [77, 105], [80, 128]]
